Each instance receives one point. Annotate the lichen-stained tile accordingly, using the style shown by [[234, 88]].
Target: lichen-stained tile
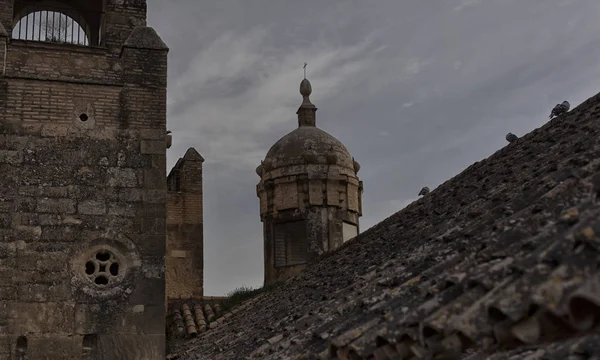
[[564, 280], [433, 304], [454, 275], [584, 303], [365, 345], [490, 273], [436, 323], [584, 347], [350, 335], [473, 323], [514, 300]]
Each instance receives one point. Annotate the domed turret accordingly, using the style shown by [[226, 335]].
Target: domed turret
[[310, 195], [308, 145]]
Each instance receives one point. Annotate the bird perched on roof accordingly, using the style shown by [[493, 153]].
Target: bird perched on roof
[[424, 191], [510, 137], [560, 109]]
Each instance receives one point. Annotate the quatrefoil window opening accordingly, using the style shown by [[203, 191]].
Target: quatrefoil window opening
[[102, 267]]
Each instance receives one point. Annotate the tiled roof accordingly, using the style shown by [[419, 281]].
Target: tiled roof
[[500, 262], [186, 318]]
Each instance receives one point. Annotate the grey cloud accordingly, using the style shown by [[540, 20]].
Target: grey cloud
[[472, 73]]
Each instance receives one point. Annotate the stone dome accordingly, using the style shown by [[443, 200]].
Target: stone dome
[[308, 145]]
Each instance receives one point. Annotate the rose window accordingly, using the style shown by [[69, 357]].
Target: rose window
[[102, 268]]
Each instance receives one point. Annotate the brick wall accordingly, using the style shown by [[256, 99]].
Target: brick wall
[[65, 62], [185, 255], [82, 196]]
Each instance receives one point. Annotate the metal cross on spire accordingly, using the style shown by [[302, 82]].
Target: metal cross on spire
[[305, 70]]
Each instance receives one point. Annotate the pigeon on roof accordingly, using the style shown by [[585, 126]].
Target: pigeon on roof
[[560, 109], [424, 191], [510, 137]]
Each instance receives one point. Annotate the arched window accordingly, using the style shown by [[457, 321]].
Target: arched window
[[50, 26], [73, 22]]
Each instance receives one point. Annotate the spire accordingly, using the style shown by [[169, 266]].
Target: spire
[[307, 111]]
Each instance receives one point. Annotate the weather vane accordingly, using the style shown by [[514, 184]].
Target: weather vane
[[305, 70]]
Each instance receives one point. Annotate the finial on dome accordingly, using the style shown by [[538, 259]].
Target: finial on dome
[[305, 88], [306, 112]]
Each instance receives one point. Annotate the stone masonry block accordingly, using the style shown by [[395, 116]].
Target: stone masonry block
[[153, 134], [56, 206], [154, 147], [25, 204], [27, 233], [125, 346], [155, 196], [152, 225], [58, 318], [122, 178], [148, 318], [5, 221], [5, 205], [11, 157], [54, 130], [130, 195], [92, 207], [50, 262], [56, 192], [43, 292], [121, 209], [154, 179], [56, 347]]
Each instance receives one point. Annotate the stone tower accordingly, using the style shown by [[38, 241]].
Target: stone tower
[[83, 186], [310, 195], [185, 259]]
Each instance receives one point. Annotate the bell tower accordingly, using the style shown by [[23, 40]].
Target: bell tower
[[83, 186]]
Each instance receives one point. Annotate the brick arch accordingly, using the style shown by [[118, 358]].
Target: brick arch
[[87, 15]]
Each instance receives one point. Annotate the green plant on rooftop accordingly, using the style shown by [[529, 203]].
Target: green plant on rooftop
[[243, 293]]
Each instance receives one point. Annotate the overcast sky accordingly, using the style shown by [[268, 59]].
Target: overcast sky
[[417, 90]]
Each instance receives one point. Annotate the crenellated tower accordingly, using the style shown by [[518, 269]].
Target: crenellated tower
[[185, 240], [310, 195]]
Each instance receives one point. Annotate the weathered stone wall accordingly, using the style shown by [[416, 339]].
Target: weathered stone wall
[[82, 196], [185, 241], [324, 196]]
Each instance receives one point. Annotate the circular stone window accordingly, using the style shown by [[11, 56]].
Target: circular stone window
[[103, 268]]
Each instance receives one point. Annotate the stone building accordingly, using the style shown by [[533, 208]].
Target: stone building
[[82, 186], [310, 195]]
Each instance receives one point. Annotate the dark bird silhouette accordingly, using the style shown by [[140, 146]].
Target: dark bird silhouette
[[560, 109], [510, 137]]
